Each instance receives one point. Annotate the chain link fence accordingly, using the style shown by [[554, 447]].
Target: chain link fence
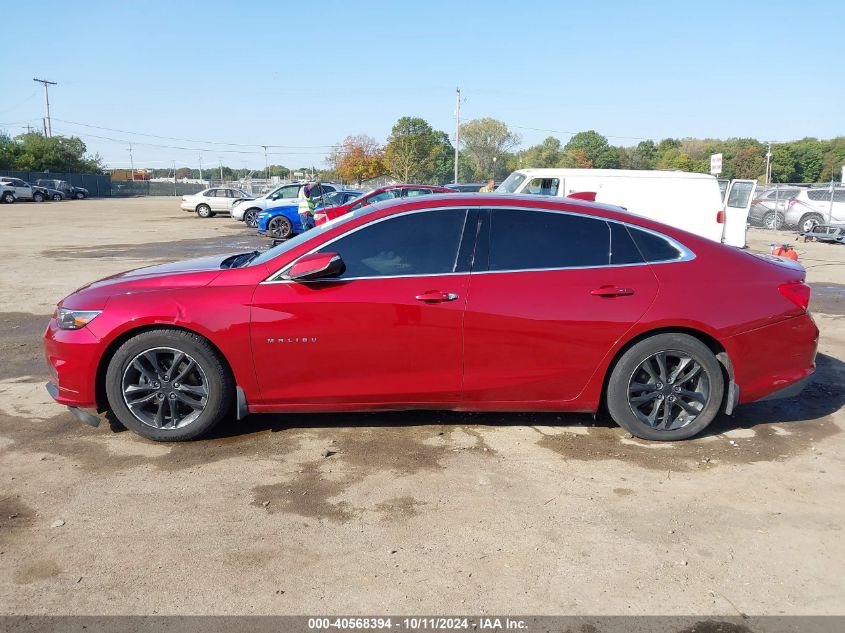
[[98, 185], [798, 206]]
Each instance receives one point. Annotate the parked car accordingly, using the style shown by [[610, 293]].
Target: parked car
[[768, 207], [248, 213], [210, 202], [26, 191], [284, 221], [693, 202], [812, 207], [666, 329], [68, 190], [467, 187], [7, 193], [377, 195]]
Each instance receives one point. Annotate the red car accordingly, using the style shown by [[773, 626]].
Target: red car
[[478, 302], [381, 194]]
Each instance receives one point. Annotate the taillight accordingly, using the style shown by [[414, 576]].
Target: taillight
[[797, 292], [720, 217], [792, 203]]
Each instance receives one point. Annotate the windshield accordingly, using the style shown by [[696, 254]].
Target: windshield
[[284, 247], [511, 183]]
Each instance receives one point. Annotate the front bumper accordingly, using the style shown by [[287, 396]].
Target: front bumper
[[72, 358]]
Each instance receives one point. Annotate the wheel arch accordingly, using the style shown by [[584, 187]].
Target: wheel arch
[[113, 346], [712, 343]]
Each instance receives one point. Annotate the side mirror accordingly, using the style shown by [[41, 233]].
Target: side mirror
[[317, 266]]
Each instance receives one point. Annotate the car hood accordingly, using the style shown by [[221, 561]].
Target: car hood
[[190, 273]]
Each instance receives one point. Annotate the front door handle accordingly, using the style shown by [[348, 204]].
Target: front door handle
[[436, 296], [612, 291]]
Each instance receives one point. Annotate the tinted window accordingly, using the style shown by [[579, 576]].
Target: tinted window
[[818, 195], [412, 244], [622, 247], [211, 193], [524, 240], [653, 247]]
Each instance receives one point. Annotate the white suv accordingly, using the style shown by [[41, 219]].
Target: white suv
[[212, 201], [248, 212], [812, 207]]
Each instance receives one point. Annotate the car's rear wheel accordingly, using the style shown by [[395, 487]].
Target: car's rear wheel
[[8, 197], [251, 218], [204, 211], [38, 197], [168, 385], [809, 221], [280, 228], [773, 220], [57, 197], [79, 195], [666, 387]]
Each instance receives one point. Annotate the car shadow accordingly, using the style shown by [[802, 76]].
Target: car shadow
[[823, 396]]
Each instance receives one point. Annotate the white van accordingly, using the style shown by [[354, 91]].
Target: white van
[[692, 202]]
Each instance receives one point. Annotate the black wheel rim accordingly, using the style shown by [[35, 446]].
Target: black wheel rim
[[668, 390], [280, 228], [165, 388]]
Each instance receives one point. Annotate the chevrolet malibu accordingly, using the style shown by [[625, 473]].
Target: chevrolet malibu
[[479, 302]]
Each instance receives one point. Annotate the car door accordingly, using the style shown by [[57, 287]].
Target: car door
[[222, 201], [738, 200], [22, 189], [387, 331], [554, 292]]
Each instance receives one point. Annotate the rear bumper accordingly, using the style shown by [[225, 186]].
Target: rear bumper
[[187, 206], [773, 361]]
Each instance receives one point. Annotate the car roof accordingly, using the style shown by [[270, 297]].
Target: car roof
[[610, 173]]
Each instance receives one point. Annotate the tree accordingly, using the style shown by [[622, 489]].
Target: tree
[[486, 139], [784, 165], [410, 148], [592, 149], [34, 152], [546, 154], [360, 158], [184, 172]]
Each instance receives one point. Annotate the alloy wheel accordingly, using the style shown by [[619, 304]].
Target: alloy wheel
[[280, 228], [250, 219], [668, 390], [165, 388]]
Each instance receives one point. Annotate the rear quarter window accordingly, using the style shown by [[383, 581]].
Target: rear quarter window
[[654, 248]]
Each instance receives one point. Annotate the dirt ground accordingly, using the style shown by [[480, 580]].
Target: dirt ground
[[413, 513]]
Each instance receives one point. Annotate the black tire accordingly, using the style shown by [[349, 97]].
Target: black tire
[[657, 388], [8, 197], [773, 220], [251, 218], [204, 211], [280, 228], [79, 195], [129, 369], [57, 197], [809, 221], [38, 197]]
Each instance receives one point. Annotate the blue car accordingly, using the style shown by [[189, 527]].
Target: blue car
[[280, 223], [284, 222]]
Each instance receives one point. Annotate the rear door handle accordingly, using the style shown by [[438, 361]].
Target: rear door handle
[[612, 291], [436, 296]]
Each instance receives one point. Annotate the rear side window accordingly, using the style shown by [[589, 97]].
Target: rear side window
[[411, 244], [622, 247], [653, 247], [818, 195], [531, 240]]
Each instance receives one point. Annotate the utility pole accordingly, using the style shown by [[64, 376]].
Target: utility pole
[[49, 126], [131, 163], [200, 167], [457, 128], [266, 165], [174, 177], [768, 162], [221, 170]]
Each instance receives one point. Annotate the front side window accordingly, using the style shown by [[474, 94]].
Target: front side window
[[412, 244], [521, 239], [413, 193]]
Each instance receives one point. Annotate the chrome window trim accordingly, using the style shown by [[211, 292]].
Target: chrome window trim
[[685, 254]]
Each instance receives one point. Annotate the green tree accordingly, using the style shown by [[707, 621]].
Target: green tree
[[546, 154], [408, 154], [810, 158], [360, 158], [34, 152], [486, 139], [591, 149], [784, 164]]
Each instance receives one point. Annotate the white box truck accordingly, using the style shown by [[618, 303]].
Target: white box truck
[[692, 202]]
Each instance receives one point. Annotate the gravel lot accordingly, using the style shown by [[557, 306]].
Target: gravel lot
[[420, 512]]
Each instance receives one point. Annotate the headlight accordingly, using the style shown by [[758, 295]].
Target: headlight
[[74, 319]]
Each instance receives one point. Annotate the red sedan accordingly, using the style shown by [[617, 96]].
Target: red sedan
[[390, 192], [461, 301]]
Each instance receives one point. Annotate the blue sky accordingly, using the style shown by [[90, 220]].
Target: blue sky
[[265, 73]]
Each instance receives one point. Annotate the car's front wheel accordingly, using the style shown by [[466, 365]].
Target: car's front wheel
[[168, 385], [8, 197], [251, 218], [204, 211], [38, 197], [666, 387], [280, 228], [80, 195], [57, 197]]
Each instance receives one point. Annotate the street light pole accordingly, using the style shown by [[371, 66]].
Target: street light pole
[[768, 162], [457, 128]]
